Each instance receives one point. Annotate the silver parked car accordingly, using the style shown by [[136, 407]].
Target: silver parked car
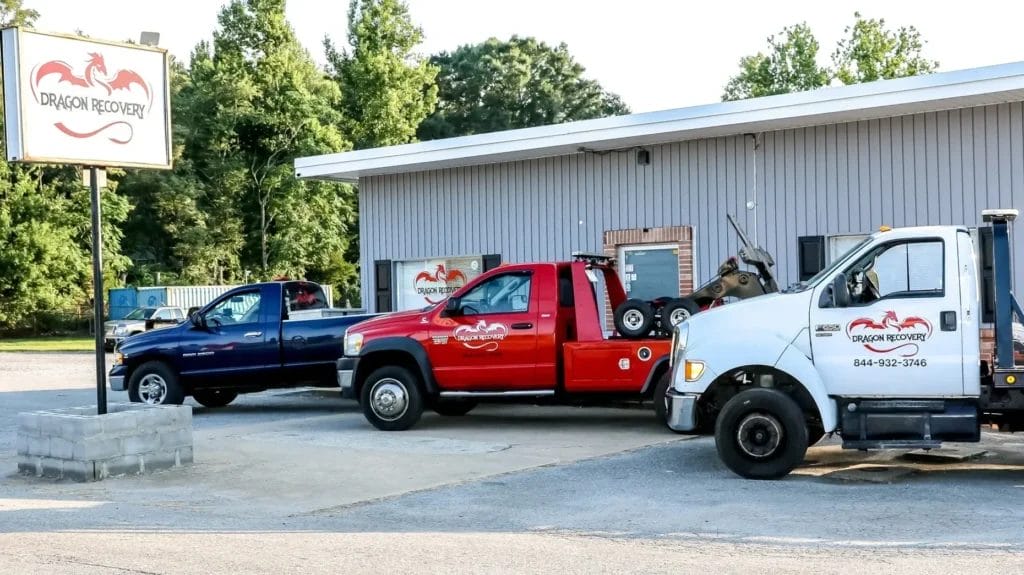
[[140, 320]]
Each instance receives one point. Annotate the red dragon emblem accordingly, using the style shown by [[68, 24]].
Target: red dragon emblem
[[890, 334], [435, 287], [51, 80]]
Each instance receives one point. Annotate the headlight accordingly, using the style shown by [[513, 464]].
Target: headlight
[[353, 344], [118, 358], [120, 330]]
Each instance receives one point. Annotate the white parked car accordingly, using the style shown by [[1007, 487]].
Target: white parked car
[[140, 320]]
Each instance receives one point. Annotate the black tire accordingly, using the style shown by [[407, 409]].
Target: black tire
[[391, 399], [761, 434], [814, 433], [660, 398], [453, 407], [155, 383], [634, 318], [682, 307], [214, 397]]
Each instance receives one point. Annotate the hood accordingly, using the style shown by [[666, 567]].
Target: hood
[[390, 321], [783, 315], [155, 335]]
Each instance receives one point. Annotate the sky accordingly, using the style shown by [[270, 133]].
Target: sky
[[656, 54]]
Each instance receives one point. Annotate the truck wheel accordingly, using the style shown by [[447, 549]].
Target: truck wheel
[[214, 397], [155, 383], [453, 407], [634, 318], [676, 311], [660, 397], [391, 399], [761, 434]]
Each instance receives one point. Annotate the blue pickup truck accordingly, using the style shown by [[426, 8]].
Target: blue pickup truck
[[252, 338]]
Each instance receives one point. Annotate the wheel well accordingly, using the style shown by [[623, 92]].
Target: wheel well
[[659, 371], [371, 362], [751, 376]]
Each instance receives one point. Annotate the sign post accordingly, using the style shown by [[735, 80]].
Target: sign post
[[79, 101], [97, 290]]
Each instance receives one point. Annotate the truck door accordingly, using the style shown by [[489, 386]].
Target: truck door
[[237, 344], [491, 344], [900, 336]]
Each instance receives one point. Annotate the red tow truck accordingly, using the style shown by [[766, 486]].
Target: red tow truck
[[521, 332]]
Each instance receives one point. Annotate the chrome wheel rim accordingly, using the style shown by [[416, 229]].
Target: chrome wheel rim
[[759, 435], [678, 316], [152, 389], [633, 319], [389, 399]]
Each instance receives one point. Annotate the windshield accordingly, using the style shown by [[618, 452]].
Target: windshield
[[141, 313], [813, 281]]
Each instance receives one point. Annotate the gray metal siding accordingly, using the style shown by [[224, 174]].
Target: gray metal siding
[[933, 168]]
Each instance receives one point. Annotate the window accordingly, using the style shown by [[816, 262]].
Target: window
[[650, 271], [302, 296], [240, 308], [908, 269], [141, 313], [177, 314], [508, 293], [164, 314]]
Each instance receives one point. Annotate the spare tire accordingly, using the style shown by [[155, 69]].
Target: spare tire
[[676, 311], [634, 318]]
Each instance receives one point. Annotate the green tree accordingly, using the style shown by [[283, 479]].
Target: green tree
[[386, 89], [869, 52], [791, 65], [253, 101], [872, 52], [520, 83]]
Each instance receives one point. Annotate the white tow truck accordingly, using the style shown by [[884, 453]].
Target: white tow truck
[[882, 348]]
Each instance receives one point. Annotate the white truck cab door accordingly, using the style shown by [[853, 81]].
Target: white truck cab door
[[901, 335]]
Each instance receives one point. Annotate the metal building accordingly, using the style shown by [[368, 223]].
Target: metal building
[[805, 173]]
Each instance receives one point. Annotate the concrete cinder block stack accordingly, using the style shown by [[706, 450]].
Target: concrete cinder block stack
[[77, 444]]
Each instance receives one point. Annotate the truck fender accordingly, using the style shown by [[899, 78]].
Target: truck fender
[[799, 366], [405, 345], [655, 368]]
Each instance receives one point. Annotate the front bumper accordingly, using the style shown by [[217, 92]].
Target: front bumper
[[111, 341], [346, 372], [682, 410], [118, 378]]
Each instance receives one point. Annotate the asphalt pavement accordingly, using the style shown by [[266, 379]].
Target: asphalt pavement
[[297, 482]]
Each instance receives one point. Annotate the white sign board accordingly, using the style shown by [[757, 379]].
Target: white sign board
[[427, 282], [71, 100]]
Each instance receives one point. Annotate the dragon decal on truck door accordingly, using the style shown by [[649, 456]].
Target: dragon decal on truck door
[[483, 335], [890, 334]]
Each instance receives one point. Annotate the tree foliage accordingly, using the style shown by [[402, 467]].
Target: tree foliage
[[386, 89], [520, 83], [869, 51], [872, 52]]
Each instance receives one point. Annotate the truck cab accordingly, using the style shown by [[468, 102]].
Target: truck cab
[[882, 347], [530, 332]]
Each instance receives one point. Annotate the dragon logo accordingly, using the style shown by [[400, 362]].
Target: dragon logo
[[890, 334], [483, 335], [93, 94], [435, 287]]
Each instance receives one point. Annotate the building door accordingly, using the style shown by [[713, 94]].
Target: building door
[[649, 271]]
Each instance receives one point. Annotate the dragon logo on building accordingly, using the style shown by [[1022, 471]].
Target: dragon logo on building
[[890, 334], [435, 287], [93, 102], [483, 335]]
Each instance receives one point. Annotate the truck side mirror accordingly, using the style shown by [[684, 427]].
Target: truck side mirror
[[840, 291], [453, 306], [197, 320]]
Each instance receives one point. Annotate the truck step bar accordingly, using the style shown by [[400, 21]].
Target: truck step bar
[[517, 393], [892, 444], [907, 423]]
